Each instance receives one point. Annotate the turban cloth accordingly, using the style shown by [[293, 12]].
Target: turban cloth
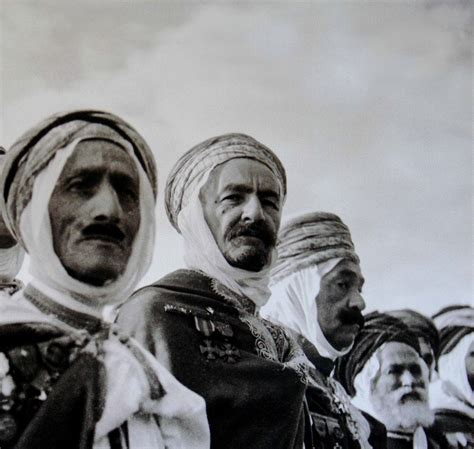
[[379, 328], [30, 154], [201, 159], [309, 240], [453, 323], [420, 325]]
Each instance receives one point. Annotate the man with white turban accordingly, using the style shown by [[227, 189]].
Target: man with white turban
[[11, 255], [388, 379], [225, 197], [452, 394], [78, 192], [316, 292]]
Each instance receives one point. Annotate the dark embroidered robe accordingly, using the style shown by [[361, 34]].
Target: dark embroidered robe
[[332, 424], [57, 394], [211, 340]]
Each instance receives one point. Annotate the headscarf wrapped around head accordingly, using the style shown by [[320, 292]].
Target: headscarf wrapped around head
[[188, 173], [185, 211], [420, 325], [452, 389], [33, 166], [309, 246], [453, 322], [379, 328], [311, 239], [33, 151]]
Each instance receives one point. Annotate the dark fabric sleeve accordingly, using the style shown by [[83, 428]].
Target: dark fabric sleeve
[[378, 432], [67, 418]]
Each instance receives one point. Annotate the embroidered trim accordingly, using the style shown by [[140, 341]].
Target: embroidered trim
[[75, 319], [232, 298], [261, 347]]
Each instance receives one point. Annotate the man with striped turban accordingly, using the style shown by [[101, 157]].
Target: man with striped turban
[[316, 285], [78, 192], [225, 197], [425, 330], [387, 378], [11, 255], [452, 395]]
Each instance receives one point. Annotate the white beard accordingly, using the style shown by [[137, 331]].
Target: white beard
[[402, 415]]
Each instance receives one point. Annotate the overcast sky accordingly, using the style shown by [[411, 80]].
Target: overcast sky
[[368, 104]]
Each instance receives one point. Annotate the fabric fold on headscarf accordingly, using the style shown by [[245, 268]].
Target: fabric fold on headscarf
[[293, 304], [452, 389], [420, 325], [11, 260], [311, 239]]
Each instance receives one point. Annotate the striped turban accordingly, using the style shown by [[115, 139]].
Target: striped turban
[[419, 324], [32, 153], [202, 158], [379, 328], [309, 240], [453, 323]]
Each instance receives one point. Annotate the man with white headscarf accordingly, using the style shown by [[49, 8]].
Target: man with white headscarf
[[225, 197], [388, 379], [452, 394], [11, 255], [78, 192], [316, 292]]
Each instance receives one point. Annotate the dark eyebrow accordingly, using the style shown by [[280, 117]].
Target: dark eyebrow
[[241, 188]]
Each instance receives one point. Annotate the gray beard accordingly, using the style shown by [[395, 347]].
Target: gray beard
[[402, 416]]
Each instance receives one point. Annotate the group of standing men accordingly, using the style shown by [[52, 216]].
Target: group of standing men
[[259, 342]]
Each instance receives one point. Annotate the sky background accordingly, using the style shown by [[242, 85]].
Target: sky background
[[368, 104]]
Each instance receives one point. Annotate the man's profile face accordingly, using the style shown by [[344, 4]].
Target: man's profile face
[[94, 211], [340, 303], [242, 207], [399, 392]]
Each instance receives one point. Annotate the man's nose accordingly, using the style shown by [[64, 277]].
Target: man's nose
[[407, 379], [357, 301], [253, 210], [106, 204]]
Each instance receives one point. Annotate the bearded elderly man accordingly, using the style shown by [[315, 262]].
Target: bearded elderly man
[[78, 193], [316, 292], [388, 379], [426, 332], [225, 196]]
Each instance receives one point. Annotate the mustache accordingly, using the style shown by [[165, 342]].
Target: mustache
[[108, 231], [260, 230], [352, 316], [404, 394]]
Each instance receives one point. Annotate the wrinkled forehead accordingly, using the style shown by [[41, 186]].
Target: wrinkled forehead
[[100, 154], [244, 173], [398, 353]]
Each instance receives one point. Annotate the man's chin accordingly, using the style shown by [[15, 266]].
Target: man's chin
[[248, 259]]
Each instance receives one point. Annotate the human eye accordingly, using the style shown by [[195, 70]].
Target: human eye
[[270, 202], [343, 284], [79, 184], [231, 197]]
